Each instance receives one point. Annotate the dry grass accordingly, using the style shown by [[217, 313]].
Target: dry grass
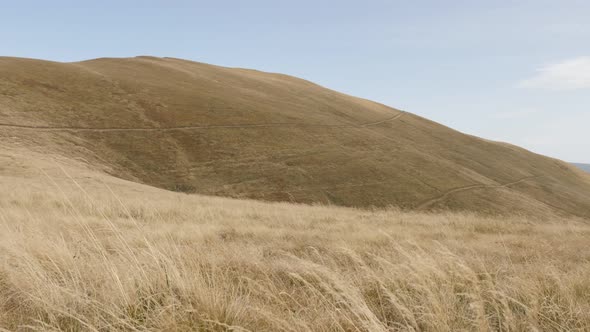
[[110, 261]]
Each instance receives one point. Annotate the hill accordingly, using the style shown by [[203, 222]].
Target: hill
[[200, 128], [585, 167]]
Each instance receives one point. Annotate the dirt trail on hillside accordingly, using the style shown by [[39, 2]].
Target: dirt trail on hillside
[[471, 187], [230, 126], [393, 118]]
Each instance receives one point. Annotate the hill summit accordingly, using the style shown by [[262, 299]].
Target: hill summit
[[199, 128]]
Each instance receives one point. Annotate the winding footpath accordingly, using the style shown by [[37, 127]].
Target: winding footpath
[[440, 198], [231, 126], [393, 118]]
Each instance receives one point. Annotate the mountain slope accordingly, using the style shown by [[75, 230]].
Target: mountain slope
[[200, 128]]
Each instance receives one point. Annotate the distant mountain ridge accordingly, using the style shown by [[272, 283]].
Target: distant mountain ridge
[[205, 129], [585, 167]]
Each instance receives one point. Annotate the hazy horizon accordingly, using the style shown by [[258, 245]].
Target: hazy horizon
[[513, 72]]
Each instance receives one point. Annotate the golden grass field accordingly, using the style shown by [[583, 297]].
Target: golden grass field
[[81, 251]]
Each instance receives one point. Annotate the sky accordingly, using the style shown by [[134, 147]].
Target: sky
[[513, 71]]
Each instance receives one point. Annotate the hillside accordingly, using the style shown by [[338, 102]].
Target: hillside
[[194, 127], [585, 167]]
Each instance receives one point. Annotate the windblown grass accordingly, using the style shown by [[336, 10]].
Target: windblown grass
[[106, 261]]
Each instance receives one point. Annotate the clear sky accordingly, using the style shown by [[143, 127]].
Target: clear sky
[[515, 71]]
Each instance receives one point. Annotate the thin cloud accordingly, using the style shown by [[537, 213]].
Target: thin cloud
[[570, 74]]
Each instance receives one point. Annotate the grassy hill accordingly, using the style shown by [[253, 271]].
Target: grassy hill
[[194, 127], [83, 250]]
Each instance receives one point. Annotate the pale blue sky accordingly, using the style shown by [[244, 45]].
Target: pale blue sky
[[516, 71]]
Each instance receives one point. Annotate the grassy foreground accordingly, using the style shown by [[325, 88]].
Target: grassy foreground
[[112, 261]]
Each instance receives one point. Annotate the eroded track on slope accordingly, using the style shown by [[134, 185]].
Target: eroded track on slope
[[393, 118], [440, 198], [208, 127]]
